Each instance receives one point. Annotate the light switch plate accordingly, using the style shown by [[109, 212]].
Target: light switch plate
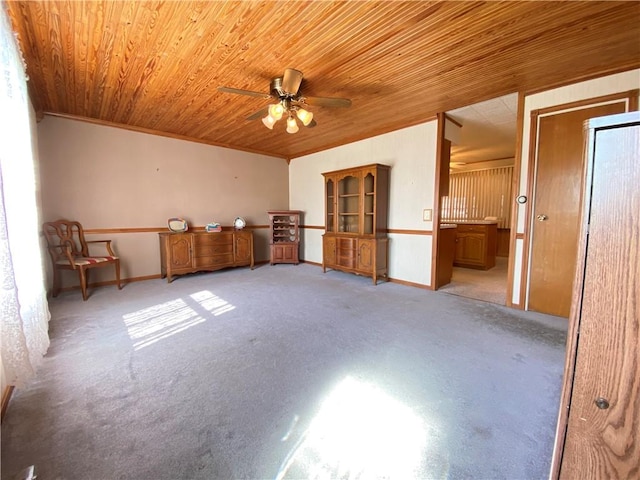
[[427, 215]]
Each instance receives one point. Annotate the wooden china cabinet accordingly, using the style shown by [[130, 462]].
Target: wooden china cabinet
[[284, 236], [356, 211]]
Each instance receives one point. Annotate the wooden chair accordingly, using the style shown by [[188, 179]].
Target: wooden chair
[[70, 251]]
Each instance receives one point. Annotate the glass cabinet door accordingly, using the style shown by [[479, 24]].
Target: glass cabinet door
[[349, 204], [330, 205], [369, 210]]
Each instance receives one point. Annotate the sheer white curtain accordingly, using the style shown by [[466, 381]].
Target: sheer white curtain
[[24, 313]]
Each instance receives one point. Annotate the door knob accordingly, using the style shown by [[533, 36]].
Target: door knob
[[541, 217]]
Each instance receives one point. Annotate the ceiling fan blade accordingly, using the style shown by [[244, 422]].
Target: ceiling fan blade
[[291, 81], [326, 102], [312, 123], [243, 92], [259, 114]]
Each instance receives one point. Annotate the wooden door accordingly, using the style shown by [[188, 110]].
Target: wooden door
[[556, 210], [603, 436], [330, 204], [366, 251], [243, 248], [180, 251], [328, 252], [470, 249]]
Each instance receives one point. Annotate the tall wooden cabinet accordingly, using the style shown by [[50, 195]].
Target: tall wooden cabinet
[[284, 236], [356, 211], [598, 432], [182, 253]]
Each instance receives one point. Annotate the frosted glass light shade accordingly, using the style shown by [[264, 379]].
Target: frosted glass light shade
[[269, 122], [276, 111], [292, 126], [305, 116]]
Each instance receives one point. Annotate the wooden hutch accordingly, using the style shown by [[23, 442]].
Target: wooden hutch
[[356, 211], [284, 236]]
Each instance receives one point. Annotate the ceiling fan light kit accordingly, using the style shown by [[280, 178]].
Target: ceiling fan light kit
[[305, 116], [269, 122], [285, 90], [292, 126]]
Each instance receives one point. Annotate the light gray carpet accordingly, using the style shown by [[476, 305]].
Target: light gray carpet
[[487, 285], [286, 372]]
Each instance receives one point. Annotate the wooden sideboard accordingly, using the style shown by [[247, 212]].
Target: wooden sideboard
[[476, 245], [182, 253]]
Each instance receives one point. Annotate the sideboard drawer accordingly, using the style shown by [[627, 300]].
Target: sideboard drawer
[[209, 250], [219, 238], [214, 260]]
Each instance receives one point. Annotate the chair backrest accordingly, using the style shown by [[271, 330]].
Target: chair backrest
[[65, 234]]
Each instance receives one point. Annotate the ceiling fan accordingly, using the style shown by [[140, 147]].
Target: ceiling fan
[[290, 102]]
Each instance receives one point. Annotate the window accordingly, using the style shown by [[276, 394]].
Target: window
[[477, 194]]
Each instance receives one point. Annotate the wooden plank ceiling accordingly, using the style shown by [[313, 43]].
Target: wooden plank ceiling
[[157, 65]]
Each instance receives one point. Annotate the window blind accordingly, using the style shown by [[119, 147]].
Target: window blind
[[475, 195]]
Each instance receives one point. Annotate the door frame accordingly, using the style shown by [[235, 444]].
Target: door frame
[[630, 98]]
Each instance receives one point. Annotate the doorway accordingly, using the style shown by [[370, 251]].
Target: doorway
[[478, 194]]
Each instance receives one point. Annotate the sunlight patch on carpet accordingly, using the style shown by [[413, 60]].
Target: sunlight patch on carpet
[[360, 432], [152, 324]]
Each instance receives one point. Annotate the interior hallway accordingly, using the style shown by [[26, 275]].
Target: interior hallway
[[285, 372], [486, 285]]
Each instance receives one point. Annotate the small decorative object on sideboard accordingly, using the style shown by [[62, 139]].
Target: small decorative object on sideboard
[[213, 227], [177, 225], [239, 223]]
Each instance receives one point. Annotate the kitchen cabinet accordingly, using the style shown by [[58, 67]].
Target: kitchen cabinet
[[446, 253], [476, 245]]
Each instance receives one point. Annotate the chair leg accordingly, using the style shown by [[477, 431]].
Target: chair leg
[[118, 274], [83, 283], [55, 290]]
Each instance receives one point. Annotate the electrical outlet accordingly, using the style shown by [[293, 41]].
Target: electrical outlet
[[427, 215]]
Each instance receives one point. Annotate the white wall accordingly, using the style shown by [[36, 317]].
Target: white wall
[[111, 178], [411, 153], [611, 84]]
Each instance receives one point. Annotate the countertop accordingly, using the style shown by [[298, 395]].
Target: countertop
[[470, 222]]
